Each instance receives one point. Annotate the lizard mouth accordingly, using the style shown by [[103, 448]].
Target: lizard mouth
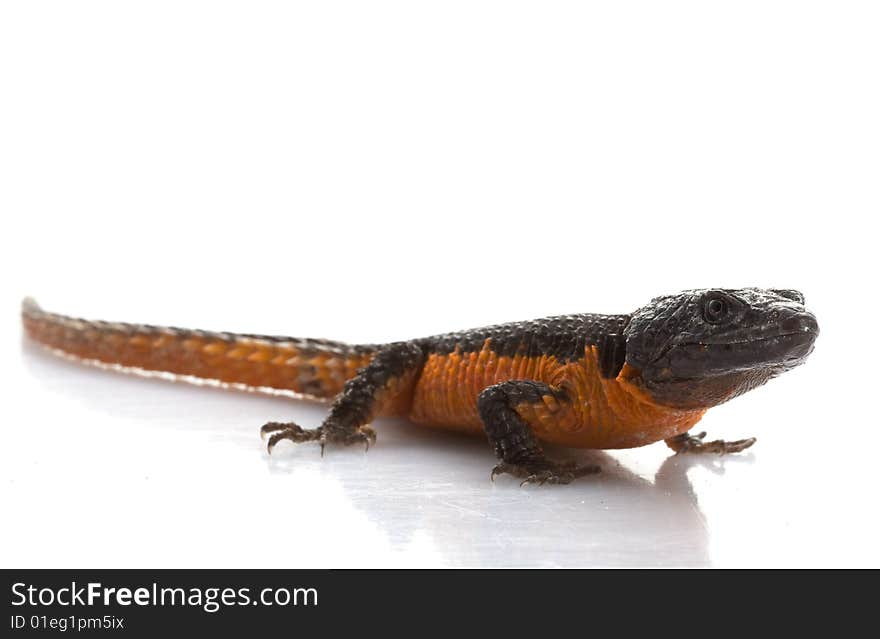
[[805, 335], [788, 346], [784, 345]]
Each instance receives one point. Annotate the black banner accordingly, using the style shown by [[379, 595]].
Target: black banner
[[148, 602]]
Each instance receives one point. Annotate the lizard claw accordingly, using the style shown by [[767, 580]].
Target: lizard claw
[[548, 477], [277, 431], [290, 431], [544, 472], [686, 443], [369, 437], [272, 427], [738, 445], [327, 436]]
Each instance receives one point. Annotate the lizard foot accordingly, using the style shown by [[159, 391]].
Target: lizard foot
[[544, 472], [362, 435], [687, 443], [297, 434], [293, 432]]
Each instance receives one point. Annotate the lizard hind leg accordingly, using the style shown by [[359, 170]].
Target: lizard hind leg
[[389, 374], [512, 437]]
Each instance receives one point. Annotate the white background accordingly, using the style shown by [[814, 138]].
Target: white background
[[384, 170]]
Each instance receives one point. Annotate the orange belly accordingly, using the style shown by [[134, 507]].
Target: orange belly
[[601, 413]]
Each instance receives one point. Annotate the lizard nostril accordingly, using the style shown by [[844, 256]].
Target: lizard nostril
[[800, 323]]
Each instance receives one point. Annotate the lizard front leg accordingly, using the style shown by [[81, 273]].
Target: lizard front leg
[[391, 371], [512, 438], [687, 443]]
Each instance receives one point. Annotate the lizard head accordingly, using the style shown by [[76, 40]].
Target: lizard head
[[702, 347]]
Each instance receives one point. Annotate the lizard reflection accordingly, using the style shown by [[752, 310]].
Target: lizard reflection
[[619, 519]]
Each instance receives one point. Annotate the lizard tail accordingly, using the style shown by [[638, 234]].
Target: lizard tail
[[313, 368]]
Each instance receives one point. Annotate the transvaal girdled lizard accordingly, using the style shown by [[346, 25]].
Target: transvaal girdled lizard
[[585, 381]]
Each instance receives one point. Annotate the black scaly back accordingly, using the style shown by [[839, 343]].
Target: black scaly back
[[564, 337]]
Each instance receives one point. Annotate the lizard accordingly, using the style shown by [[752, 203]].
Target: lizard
[[582, 381]]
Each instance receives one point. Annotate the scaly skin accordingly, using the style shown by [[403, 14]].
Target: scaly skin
[[584, 381], [315, 369]]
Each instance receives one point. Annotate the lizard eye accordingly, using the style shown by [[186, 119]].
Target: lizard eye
[[715, 310]]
